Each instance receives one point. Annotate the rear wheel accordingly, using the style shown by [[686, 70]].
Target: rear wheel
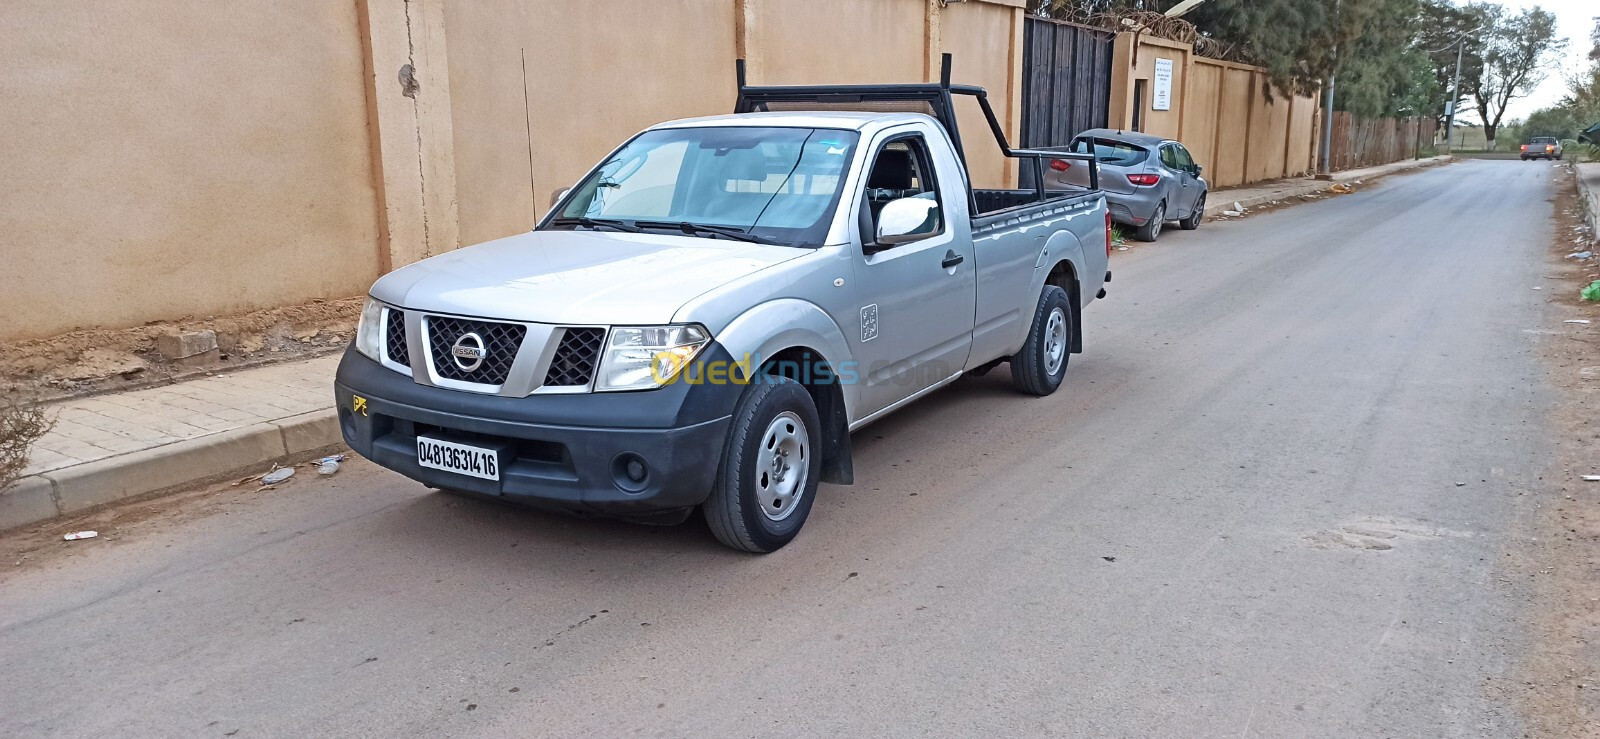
[[1193, 221], [1152, 228], [770, 467], [1042, 363]]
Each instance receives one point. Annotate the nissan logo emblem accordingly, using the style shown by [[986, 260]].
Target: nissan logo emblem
[[468, 352]]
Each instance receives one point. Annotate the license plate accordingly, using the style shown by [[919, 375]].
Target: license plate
[[459, 458]]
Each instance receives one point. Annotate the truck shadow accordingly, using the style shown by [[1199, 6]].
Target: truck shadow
[[522, 541]]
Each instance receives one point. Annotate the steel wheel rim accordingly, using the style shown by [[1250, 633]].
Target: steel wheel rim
[[1055, 341], [1199, 210], [1158, 220], [783, 461]]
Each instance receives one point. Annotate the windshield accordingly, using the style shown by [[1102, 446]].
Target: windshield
[[1107, 151], [776, 185]]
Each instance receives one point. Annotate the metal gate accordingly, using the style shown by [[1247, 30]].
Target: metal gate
[[1066, 81]]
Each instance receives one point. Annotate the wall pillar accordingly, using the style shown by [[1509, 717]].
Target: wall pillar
[[932, 40], [408, 110], [745, 39]]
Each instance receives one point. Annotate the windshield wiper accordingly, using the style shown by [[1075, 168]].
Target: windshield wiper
[[700, 228], [588, 222]]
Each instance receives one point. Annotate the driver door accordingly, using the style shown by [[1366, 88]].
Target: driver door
[[916, 298]]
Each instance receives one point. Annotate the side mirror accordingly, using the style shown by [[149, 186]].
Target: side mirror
[[1197, 170], [556, 196], [907, 219]]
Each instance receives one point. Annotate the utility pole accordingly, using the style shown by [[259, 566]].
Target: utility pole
[[1327, 121], [1455, 95], [1327, 131]]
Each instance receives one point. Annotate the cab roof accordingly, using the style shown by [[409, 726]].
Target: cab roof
[[848, 120]]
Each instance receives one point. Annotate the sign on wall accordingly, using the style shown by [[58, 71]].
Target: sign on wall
[[1162, 99]]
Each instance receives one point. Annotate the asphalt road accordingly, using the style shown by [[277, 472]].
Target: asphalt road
[[1241, 515]]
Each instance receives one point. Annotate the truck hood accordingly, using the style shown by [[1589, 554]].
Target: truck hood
[[576, 277]]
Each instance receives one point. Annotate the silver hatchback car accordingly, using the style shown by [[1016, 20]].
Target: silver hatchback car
[[1148, 180]]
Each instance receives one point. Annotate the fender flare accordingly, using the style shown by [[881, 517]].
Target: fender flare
[[772, 327]]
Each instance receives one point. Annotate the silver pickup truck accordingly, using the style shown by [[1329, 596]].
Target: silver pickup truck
[[706, 317]]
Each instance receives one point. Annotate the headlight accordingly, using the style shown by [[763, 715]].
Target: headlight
[[647, 357], [368, 329]]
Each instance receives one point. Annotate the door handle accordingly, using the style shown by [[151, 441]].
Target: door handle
[[951, 259]]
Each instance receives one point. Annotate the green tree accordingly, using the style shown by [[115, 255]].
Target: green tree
[[1369, 44], [1441, 28], [1515, 50]]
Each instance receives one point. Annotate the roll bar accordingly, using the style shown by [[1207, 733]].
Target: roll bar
[[938, 96]]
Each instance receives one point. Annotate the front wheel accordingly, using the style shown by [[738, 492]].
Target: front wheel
[[1198, 214], [1152, 228], [770, 468], [1039, 367]]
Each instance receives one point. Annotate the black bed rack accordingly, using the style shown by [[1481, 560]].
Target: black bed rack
[[938, 96]]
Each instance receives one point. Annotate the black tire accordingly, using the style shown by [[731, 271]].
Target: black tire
[[1031, 367], [1151, 230], [735, 509], [1193, 221]]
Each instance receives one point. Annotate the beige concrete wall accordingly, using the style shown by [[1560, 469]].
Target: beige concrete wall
[[596, 74], [207, 159], [848, 41], [182, 158], [1219, 111], [983, 40]]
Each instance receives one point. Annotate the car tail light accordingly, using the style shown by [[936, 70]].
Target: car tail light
[[1108, 233], [1524, 147], [1060, 165], [1144, 179], [1549, 148]]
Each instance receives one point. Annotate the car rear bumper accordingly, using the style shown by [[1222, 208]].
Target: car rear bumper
[[1133, 209], [563, 452]]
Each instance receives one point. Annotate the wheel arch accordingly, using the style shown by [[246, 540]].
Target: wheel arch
[[824, 382], [797, 339], [1064, 274]]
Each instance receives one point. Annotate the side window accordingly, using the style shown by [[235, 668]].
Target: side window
[[1169, 156], [901, 169], [1185, 162]]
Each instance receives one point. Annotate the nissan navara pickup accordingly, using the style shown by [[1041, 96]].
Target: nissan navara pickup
[[705, 318]]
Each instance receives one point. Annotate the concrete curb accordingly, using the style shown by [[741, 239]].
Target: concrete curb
[[1589, 196], [1226, 202], [167, 468]]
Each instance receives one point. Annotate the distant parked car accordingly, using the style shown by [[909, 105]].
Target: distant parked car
[[1541, 147], [1148, 180]]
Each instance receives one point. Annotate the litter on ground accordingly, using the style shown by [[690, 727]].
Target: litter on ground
[[329, 465], [1576, 320], [1586, 478], [276, 476], [76, 535]]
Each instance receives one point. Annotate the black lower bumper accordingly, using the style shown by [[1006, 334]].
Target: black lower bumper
[[552, 454]]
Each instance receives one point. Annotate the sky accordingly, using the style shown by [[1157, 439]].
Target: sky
[[1574, 20]]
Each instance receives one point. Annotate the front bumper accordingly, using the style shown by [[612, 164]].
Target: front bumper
[[560, 452]]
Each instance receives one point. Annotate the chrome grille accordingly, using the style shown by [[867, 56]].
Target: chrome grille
[[576, 357], [500, 343], [395, 334]]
